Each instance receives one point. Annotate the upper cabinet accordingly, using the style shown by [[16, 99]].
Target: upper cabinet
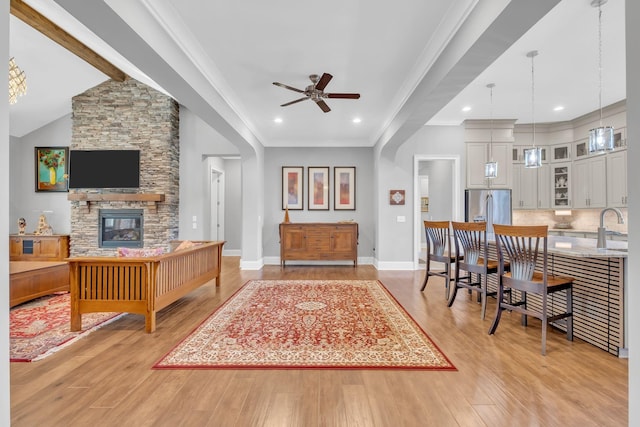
[[478, 155], [617, 179], [561, 181], [560, 152], [590, 182]]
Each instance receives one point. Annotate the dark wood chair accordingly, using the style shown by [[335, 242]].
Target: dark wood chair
[[520, 246], [438, 250], [472, 252]]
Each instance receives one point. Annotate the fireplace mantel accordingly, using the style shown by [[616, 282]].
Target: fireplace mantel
[[85, 199]]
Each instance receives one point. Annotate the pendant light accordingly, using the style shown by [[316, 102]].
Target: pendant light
[[600, 138], [491, 167], [533, 155]]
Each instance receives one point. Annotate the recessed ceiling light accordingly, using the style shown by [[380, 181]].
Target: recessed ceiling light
[[466, 108], [357, 120], [277, 120], [558, 108]]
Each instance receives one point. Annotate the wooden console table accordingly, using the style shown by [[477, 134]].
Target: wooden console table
[[33, 247], [319, 242]]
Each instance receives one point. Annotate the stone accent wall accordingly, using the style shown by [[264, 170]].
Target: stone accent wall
[[129, 115]]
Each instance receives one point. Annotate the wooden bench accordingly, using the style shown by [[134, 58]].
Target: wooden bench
[[34, 279], [140, 285]]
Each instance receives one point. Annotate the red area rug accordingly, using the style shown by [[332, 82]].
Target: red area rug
[[298, 324], [41, 327]]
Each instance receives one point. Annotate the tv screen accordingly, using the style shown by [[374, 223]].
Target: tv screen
[[104, 168]]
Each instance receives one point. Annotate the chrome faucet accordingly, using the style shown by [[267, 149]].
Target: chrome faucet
[[602, 231]]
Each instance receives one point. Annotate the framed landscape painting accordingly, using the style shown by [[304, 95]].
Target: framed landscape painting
[[292, 187], [344, 192], [318, 188], [52, 168]]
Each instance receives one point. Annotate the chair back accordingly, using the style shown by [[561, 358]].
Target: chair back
[[519, 244], [438, 237], [470, 240]]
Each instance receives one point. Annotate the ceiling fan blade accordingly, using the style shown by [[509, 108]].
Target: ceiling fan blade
[[323, 106], [288, 87], [297, 100], [343, 95], [324, 80]]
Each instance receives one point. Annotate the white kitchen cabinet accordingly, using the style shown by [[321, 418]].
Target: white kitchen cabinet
[[560, 152], [561, 181], [589, 185], [525, 187], [617, 179], [544, 186], [478, 155]]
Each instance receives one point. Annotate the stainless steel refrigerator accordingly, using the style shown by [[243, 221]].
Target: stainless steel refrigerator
[[490, 205]]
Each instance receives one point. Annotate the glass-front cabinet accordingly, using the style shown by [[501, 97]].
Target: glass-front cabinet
[[517, 153], [560, 152], [561, 181]]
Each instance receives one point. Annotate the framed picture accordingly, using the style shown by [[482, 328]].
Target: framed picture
[[52, 168], [292, 187], [318, 193], [396, 197], [344, 191], [424, 204]]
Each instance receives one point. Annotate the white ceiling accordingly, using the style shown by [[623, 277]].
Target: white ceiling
[[380, 49]]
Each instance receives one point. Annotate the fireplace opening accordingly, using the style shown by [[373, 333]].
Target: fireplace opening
[[120, 228]]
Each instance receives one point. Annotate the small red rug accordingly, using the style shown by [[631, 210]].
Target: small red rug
[[298, 324], [41, 327]]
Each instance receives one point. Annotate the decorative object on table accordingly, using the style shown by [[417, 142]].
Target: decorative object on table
[[17, 82], [44, 229], [286, 216], [491, 167], [318, 193], [40, 327], [308, 324], [292, 188], [344, 191], [51, 168], [424, 204], [564, 216], [22, 226], [396, 197], [533, 155], [600, 138]]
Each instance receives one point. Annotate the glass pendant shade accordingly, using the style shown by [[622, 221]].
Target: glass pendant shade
[[532, 157], [601, 139], [491, 170]]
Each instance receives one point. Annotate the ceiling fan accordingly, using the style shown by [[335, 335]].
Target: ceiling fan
[[315, 92]]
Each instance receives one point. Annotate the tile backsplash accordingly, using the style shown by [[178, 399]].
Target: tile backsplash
[[580, 219]]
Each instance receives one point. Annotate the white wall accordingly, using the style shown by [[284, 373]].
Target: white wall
[[233, 206], [395, 239], [25, 202], [5, 407], [276, 158]]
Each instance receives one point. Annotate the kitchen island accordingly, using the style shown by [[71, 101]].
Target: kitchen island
[[599, 295]]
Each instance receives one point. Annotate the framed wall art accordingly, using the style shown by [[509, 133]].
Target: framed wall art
[[318, 191], [396, 197], [292, 187], [344, 192], [52, 168]]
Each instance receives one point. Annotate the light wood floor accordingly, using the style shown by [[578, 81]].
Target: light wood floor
[[502, 380]]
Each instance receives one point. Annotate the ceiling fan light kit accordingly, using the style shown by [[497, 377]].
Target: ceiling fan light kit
[[315, 92]]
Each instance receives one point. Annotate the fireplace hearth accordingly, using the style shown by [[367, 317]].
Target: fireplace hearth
[[120, 228]]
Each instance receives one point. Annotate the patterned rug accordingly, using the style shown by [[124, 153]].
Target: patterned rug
[[298, 324], [40, 327]]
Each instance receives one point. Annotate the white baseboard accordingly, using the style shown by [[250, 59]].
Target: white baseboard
[[251, 265], [394, 265], [231, 252], [275, 260]]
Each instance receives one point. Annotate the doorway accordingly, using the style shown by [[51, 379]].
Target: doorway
[[216, 198], [441, 175]]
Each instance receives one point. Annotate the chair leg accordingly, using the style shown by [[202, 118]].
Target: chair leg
[[453, 292], [499, 296], [483, 294], [447, 283], [570, 310], [426, 276]]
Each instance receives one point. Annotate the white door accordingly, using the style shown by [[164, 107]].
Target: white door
[[217, 206]]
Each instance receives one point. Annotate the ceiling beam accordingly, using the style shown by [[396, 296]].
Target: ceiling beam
[[32, 17]]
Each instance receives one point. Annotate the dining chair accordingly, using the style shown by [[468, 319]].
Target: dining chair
[[472, 252], [521, 246], [438, 250]]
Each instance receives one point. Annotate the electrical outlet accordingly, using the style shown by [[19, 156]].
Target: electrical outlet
[[401, 218]]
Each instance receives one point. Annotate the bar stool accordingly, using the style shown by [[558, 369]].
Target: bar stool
[[438, 250], [520, 245], [473, 258]]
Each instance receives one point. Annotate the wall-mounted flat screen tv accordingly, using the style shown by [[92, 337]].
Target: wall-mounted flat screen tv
[[104, 168]]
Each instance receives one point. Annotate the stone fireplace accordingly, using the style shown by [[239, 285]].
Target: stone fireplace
[[120, 228], [127, 115]]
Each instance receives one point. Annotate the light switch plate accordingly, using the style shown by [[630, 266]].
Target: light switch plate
[[401, 218]]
